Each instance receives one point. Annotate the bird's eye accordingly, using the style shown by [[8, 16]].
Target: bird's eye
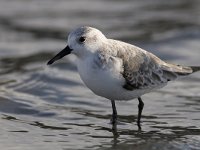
[[82, 39]]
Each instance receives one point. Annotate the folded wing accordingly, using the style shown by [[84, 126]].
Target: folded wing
[[144, 70]]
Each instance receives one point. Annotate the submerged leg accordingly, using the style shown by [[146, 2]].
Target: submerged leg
[[140, 108], [114, 114]]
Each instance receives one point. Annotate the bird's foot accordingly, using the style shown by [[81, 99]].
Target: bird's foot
[[114, 124], [139, 125], [113, 120]]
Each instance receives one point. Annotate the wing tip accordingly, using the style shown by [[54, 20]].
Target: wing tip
[[195, 68]]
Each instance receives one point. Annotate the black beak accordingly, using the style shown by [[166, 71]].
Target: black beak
[[60, 55]]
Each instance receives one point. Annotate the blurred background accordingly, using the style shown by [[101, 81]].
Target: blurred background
[[45, 107]]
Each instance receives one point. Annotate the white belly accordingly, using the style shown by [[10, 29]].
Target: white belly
[[106, 83]]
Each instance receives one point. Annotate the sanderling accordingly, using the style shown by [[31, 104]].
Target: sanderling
[[117, 70]]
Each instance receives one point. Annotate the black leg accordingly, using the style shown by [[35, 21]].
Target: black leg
[[140, 108], [114, 115]]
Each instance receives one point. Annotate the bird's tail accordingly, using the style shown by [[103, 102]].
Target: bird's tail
[[195, 68], [187, 70], [181, 70]]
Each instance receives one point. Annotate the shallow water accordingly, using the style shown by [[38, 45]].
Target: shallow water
[[50, 108]]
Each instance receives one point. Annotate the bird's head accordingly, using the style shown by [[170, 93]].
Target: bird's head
[[82, 42]]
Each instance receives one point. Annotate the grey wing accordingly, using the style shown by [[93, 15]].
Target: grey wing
[[145, 71]]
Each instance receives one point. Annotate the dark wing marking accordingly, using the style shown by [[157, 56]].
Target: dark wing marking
[[147, 75], [145, 70]]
